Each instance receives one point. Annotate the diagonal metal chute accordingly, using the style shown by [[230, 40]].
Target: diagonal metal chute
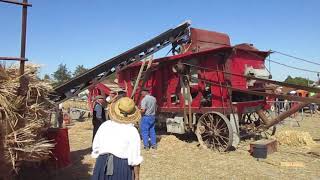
[[71, 88]]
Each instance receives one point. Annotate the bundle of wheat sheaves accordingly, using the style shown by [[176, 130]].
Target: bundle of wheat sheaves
[[24, 114]]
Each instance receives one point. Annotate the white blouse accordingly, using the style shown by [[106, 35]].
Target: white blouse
[[121, 140]]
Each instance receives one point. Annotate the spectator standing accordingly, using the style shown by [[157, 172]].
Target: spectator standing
[[117, 144], [99, 115], [312, 106], [147, 125]]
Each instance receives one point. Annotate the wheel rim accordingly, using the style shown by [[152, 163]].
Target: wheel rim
[[214, 131]]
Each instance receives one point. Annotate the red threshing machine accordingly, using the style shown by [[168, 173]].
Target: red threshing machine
[[209, 87]]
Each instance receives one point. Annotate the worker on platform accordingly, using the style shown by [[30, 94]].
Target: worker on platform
[[147, 125], [117, 143], [99, 115]]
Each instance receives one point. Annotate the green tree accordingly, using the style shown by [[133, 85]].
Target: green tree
[[61, 75], [46, 77], [79, 70], [298, 80]]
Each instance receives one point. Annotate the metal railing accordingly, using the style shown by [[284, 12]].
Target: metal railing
[[281, 106]]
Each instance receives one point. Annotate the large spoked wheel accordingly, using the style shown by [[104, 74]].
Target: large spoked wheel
[[214, 131], [252, 123]]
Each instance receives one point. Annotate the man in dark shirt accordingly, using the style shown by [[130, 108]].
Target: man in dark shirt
[[99, 115]]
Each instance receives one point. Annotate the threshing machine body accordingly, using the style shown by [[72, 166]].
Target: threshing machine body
[[202, 57]]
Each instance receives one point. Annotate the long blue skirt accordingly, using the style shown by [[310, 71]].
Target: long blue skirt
[[121, 169]]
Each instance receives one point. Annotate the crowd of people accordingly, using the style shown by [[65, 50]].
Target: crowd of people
[[281, 104], [116, 142]]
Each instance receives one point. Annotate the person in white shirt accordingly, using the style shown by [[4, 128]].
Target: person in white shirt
[[116, 144]]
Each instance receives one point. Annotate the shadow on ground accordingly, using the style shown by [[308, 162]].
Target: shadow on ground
[[188, 137], [77, 170]]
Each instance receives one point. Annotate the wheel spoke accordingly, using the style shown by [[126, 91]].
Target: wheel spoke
[[220, 147], [209, 123], [223, 125], [212, 121], [223, 129], [221, 137], [205, 124], [206, 135], [218, 121], [220, 141], [217, 140]]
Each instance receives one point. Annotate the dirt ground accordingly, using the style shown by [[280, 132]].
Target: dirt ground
[[177, 158]]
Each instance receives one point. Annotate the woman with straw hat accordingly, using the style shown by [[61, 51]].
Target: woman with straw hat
[[117, 143]]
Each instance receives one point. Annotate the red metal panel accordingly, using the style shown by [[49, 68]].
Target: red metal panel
[[61, 151], [158, 87], [204, 40], [220, 96], [173, 86], [93, 92], [237, 64]]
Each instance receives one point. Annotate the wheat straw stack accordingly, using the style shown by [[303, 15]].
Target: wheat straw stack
[[295, 138], [24, 113]]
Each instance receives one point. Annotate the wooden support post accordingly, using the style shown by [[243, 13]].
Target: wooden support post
[[23, 35]]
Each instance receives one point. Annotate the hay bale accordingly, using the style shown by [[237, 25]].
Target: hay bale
[[294, 138]]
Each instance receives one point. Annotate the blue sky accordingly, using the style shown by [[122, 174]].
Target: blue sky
[[88, 32]]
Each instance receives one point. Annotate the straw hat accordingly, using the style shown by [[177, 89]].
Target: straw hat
[[124, 111]]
